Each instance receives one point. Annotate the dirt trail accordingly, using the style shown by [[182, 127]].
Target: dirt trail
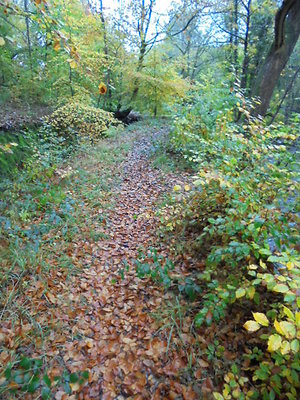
[[114, 334]]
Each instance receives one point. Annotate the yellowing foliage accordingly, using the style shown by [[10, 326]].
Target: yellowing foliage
[[74, 119]]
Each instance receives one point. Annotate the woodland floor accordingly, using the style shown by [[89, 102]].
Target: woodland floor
[[120, 345], [103, 318]]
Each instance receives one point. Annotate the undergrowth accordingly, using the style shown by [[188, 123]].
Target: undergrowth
[[49, 216], [238, 226]]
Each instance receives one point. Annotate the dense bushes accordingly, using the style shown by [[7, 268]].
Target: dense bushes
[[241, 218], [78, 119]]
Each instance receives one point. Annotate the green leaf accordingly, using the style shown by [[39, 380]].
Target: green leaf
[[67, 388], [38, 363], [85, 374], [218, 396], [7, 373], [26, 363], [18, 377], [295, 346], [234, 369], [240, 293], [34, 384], [261, 375], [199, 318], [289, 298], [27, 376], [280, 288], [47, 380], [46, 393], [74, 377], [265, 252]]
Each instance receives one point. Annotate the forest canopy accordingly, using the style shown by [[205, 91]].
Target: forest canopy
[[53, 51]]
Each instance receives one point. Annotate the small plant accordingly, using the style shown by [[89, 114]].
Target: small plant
[[155, 266], [27, 376]]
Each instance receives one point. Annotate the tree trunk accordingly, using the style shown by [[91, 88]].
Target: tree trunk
[[139, 68], [28, 36], [106, 53], [235, 39], [246, 44], [287, 30]]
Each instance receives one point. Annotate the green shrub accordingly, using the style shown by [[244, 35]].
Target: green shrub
[[241, 218], [77, 119]]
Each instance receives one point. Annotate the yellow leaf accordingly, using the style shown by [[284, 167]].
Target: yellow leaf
[[2, 41], [102, 89], [285, 347], [261, 318], [298, 319], [187, 188], [251, 326], [251, 292], [278, 327], [280, 288], [177, 188], [290, 265], [56, 45], [240, 293], [288, 329], [72, 63], [288, 313], [262, 264], [252, 266], [274, 342], [75, 386]]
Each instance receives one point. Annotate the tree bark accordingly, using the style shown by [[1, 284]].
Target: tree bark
[[235, 38], [246, 60], [287, 30], [106, 53], [28, 36]]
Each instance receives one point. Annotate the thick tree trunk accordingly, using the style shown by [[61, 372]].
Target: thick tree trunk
[[287, 30]]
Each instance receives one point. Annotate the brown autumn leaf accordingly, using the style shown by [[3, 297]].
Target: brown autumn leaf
[[202, 363], [56, 45], [207, 387], [189, 394], [198, 373], [50, 297]]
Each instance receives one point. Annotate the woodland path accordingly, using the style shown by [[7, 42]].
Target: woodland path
[[113, 334]]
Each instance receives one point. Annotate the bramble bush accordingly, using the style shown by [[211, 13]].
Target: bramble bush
[[241, 217]]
